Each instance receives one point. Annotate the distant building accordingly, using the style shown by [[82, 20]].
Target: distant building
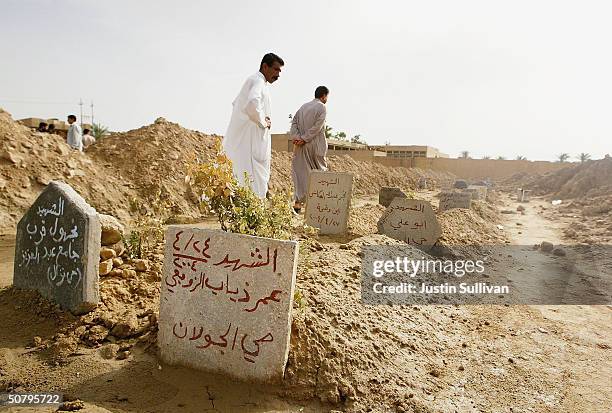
[[410, 151]]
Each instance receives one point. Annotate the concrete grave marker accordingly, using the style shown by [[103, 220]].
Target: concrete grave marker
[[450, 200], [226, 300], [412, 221], [460, 184], [479, 192], [328, 201], [388, 193], [57, 249]]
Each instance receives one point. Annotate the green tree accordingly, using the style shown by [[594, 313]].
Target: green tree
[[465, 155], [500, 158], [99, 131], [358, 139], [341, 136], [584, 157], [521, 158], [328, 132], [563, 157]]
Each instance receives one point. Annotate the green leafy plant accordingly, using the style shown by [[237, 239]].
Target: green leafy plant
[[237, 207], [99, 131]]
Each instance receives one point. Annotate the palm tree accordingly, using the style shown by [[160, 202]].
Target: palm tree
[[328, 131], [500, 158], [521, 158], [341, 136], [584, 157], [99, 131], [465, 155], [563, 157], [358, 139], [486, 157]]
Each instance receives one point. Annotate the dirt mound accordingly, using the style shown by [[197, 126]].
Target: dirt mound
[[29, 160], [369, 177], [153, 160], [588, 179]]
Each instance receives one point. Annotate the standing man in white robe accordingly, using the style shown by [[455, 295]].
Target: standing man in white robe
[[247, 141], [74, 138]]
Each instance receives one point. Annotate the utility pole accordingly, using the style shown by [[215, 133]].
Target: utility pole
[[92, 112], [81, 106]]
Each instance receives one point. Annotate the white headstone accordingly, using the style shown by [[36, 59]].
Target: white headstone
[[57, 249], [412, 221], [226, 302], [328, 201], [479, 192]]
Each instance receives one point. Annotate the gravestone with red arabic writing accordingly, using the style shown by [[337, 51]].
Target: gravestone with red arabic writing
[[412, 221], [328, 201], [226, 302], [57, 249]]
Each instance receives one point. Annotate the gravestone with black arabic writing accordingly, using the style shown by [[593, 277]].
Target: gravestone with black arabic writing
[[226, 302], [328, 201], [454, 199], [412, 221], [57, 249]]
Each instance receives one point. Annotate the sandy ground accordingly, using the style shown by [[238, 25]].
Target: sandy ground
[[517, 358]]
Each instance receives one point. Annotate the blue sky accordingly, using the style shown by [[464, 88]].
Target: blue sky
[[528, 78]]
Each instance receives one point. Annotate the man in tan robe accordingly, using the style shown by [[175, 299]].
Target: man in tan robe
[[309, 143]]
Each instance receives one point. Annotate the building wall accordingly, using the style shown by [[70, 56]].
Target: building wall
[[483, 168]]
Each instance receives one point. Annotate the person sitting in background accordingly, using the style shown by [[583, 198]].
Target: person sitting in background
[[88, 139], [51, 128], [74, 138], [42, 127]]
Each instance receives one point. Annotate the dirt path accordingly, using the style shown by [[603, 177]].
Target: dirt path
[[572, 342]]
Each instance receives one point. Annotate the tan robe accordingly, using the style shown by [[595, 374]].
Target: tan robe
[[308, 124]]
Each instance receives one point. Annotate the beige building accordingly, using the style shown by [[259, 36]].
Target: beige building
[[410, 151]]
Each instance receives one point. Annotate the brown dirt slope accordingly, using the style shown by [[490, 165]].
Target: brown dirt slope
[[29, 160]]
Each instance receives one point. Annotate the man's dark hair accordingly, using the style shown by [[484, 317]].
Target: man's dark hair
[[72, 117], [86, 131], [321, 91], [51, 127], [270, 58]]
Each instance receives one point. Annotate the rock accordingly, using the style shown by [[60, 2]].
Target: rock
[[37, 341], [116, 272], [122, 355], [559, 252], [119, 249], [112, 230], [507, 212], [127, 273], [141, 265], [546, 246], [107, 253], [126, 327], [105, 267], [96, 334], [460, 184], [109, 351], [520, 208], [117, 262], [62, 149], [12, 156]]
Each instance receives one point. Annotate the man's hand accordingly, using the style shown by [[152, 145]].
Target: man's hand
[[268, 122]]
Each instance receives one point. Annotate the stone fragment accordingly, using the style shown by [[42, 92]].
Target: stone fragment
[[460, 184], [105, 267], [117, 262], [126, 327], [109, 351], [387, 194], [559, 252], [107, 253], [546, 246], [454, 199], [128, 273], [141, 265], [112, 230]]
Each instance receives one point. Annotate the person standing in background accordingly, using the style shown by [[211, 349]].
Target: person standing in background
[[74, 138], [309, 144], [88, 139]]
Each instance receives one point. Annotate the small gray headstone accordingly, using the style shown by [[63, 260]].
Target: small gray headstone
[[412, 221], [460, 184], [226, 300], [387, 194], [57, 249], [328, 201], [478, 192], [450, 200]]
